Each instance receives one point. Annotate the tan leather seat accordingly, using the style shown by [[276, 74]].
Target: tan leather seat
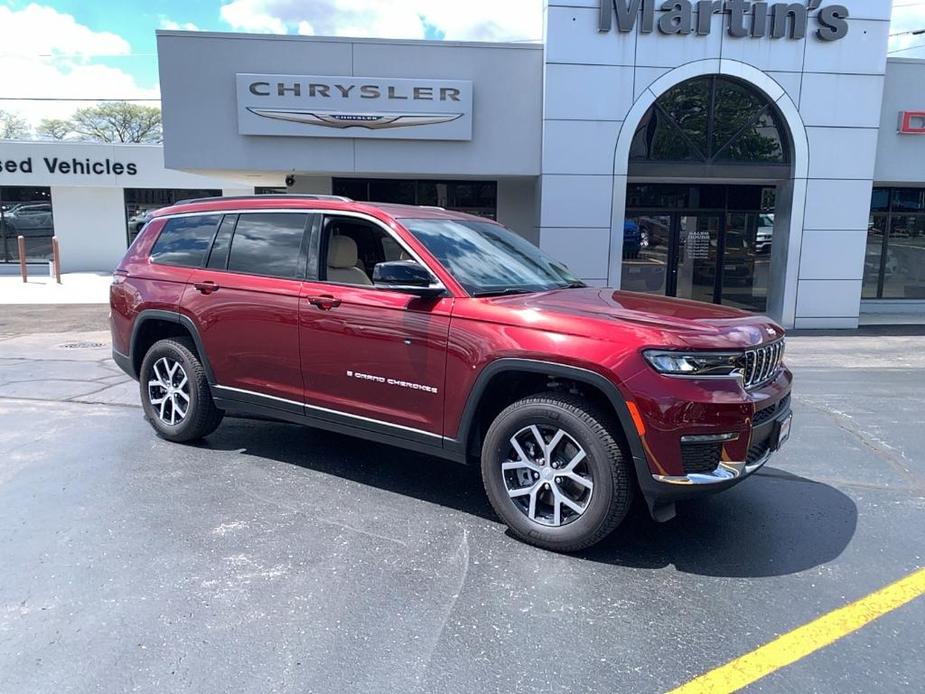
[[342, 259]]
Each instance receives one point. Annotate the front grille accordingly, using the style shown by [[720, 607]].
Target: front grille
[[762, 363], [700, 457]]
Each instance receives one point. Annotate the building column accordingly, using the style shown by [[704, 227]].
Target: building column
[[91, 227]]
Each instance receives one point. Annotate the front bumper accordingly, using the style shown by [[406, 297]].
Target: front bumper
[[677, 409]]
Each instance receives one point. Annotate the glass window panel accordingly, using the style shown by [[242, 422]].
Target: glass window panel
[[698, 238], [657, 195], [658, 139], [267, 244], [645, 253], [184, 240], [396, 191], [880, 200], [904, 265], [735, 106], [218, 256], [353, 188], [747, 260], [872, 255], [759, 142], [688, 105], [26, 211], [908, 199]]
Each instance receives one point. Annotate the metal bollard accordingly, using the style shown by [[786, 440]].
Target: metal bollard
[[56, 258], [22, 257]]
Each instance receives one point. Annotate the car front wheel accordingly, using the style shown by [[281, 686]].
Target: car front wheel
[[175, 392], [555, 473]]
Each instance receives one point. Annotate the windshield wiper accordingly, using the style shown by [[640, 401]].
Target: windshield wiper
[[507, 291], [577, 284]]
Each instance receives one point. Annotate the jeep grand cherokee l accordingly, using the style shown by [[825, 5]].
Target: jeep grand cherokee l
[[451, 335]]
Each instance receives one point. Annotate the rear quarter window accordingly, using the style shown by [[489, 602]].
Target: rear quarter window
[[185, 241]]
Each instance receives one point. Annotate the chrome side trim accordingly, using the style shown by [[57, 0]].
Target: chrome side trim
[[339, 413], [724, 472]]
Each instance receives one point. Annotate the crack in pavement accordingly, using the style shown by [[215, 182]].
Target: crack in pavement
[[873, 444]]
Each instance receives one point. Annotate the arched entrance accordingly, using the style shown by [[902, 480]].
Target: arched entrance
[[708, 239], [709, 189]]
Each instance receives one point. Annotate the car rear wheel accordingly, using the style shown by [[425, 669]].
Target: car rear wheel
[[555, 473], [175, 392]]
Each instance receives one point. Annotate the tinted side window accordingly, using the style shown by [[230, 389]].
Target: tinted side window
[[268, 244], [219, 255], [184, 241]]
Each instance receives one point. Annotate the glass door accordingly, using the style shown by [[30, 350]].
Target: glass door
[[647, 240], [697, 249]]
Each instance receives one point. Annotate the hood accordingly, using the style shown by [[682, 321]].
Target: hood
[[659, 320]]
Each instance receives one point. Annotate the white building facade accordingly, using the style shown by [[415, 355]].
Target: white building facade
[[765, 155]]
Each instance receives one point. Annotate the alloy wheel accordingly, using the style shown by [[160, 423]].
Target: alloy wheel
[[547, 475], [168, 391]]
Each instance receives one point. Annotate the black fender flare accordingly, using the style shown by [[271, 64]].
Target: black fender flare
[[171, 317], [574, 373]]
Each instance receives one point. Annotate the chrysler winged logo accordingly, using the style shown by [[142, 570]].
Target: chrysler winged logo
[[342, 119]]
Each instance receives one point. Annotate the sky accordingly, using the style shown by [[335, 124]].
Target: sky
[[105, 49]]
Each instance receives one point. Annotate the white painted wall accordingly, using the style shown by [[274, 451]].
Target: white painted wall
[[90, 226], [517, 206]]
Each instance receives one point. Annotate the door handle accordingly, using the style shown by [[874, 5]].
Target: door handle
[[206, 287], [324, 301]]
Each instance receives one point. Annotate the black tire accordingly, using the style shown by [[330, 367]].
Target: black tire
[[202, 417], [596, 433]]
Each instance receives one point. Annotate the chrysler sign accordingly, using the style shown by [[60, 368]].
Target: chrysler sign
[[361, 107], [776, 20]]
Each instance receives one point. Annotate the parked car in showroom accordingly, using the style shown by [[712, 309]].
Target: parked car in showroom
[[447, 334]]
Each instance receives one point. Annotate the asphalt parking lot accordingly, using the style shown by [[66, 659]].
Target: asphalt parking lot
[[273, 558]]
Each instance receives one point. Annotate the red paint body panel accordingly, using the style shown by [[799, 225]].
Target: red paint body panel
[[249, 327], [413, 363], [141, 285], [373, 335]]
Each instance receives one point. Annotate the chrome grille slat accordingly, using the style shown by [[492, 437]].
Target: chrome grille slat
[[762, 363]]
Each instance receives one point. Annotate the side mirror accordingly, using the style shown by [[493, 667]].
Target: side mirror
[[406, 276]]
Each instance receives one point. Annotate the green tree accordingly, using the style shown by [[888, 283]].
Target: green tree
[[118, 121], [13, 127], [54, 129]]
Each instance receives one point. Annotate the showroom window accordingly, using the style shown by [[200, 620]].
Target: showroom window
[[140, 201], [894, 262], [473, 197], [26, 212]]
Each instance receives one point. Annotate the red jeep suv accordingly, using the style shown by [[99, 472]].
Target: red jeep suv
[[447, 334]]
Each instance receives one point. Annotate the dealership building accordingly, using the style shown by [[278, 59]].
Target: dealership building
[[756, 154]]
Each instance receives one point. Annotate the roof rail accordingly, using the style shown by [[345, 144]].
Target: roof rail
[[297, 196]]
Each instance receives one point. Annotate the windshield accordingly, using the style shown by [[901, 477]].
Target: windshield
[[487, 258]]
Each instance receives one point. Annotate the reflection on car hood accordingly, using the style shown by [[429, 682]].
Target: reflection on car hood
[[691, 322]]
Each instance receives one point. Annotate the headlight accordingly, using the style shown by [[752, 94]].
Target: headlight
[[728, 364]]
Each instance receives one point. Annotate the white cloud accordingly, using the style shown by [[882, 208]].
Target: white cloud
[[474, 20], [908, 16], [170, 25], [45, 53]]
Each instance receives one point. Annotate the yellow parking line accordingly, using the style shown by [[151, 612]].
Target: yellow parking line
[[802, 641]]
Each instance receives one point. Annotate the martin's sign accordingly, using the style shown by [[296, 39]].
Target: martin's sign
[[360, 107], [743, 18]]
